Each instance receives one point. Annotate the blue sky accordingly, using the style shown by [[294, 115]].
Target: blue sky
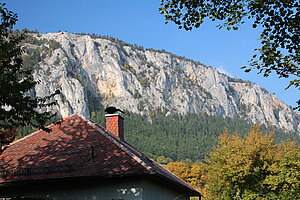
[[139, 22]]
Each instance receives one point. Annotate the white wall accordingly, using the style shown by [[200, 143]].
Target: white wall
[[127, 188], [81, 190], [160, 191]]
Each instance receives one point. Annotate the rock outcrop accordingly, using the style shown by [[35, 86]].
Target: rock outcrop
[[92, 71]]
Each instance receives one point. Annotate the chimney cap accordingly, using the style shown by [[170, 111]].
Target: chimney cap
[[112, 110]]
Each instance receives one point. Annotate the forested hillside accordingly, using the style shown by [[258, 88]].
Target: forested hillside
[[180, 137]]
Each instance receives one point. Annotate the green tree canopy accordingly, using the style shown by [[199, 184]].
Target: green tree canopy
[[279, 21], [253, 168], [17, 108]]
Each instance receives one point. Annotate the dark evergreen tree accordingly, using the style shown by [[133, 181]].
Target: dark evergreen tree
[[17, 108]]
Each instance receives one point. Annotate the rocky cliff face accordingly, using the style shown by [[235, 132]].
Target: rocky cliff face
[[92, 71]]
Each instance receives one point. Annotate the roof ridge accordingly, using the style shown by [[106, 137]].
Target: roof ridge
[[117, 142]]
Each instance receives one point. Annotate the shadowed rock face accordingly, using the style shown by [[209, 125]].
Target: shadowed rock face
[[103, 71]]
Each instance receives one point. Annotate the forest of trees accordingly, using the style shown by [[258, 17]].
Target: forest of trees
[[180, 137]]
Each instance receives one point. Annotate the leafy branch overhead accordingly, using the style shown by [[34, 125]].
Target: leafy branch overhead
[[17, 107], [278, 20]]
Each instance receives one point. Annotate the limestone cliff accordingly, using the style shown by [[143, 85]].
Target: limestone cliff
[[92, 71]]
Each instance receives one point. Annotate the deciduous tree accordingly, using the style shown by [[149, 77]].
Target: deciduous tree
[[279, 21], [192, 173], [253, 168]]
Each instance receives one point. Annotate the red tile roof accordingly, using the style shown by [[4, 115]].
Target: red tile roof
[[77, 148]]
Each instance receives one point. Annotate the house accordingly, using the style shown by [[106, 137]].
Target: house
[[80, 159]]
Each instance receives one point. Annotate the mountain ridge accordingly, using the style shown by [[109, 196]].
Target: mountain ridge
[[93, 71]]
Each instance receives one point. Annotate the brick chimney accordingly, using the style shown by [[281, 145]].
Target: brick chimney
[[115, 124]]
